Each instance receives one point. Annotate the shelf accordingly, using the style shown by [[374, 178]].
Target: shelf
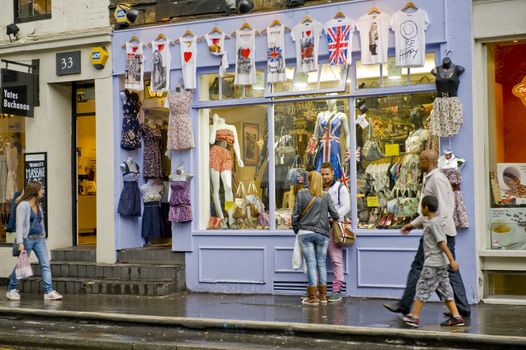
[[503, 253]]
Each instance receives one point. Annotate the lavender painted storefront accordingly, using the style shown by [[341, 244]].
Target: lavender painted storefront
[[260, 261]]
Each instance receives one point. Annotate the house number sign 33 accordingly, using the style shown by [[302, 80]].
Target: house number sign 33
[[68, 63]]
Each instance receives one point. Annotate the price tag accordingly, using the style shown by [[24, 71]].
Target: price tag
[[392, 149], [372, 202], [362, 121]]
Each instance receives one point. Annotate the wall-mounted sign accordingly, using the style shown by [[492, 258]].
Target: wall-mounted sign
[[519, 90], [17, 93], [35, 170], [68, 63]]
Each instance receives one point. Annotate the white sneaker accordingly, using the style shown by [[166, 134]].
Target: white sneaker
[[13, 295], [53, 295]]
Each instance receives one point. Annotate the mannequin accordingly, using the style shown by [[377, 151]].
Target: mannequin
[[152, 227], [450, 166], [326, 138], [222, 136], [449, 160], [131, 131], [447, 78], [130, 199], [180, 203]]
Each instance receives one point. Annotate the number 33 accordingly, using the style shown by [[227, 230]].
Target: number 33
[[66, 62]]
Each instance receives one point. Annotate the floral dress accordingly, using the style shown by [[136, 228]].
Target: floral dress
[[131, 130], [152, 152], [180, 135]]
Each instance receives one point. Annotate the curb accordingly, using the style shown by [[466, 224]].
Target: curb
[[366, 334]]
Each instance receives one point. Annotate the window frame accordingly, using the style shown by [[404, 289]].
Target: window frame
[[33, 18]]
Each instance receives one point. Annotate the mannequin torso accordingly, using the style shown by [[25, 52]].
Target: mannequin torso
[[447, 78]]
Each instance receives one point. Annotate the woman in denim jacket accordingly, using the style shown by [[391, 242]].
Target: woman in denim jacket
[[313, 227]]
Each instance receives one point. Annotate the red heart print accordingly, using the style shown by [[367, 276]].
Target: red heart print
[[245, 52], [308, 32], [160, 47], [215, 41], [187, 56], [135, 48]]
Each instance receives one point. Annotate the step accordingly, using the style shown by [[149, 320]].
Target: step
[[150, 255], [143, 271], [79, 253], [66, 286]]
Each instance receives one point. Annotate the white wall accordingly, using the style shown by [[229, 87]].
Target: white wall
[[498, 18]]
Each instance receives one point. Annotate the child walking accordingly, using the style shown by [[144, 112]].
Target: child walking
[[434, 275]]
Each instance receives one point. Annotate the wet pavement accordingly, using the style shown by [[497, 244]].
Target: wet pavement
[[495, 320]]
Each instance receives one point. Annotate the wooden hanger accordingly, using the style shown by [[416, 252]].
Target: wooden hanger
[[275, 23], [214, 30], [374, 9], [161, 36], [132, 39], [307, 19], [339, 14], [409, 5], [244, 26], [186, 33]]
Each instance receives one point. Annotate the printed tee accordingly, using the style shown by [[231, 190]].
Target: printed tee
[[410, 37], [307, 38], [134, 71], [245, 57], [339, 37], [374, 36], [188, 60], [276, 54], [216, 47], [160, 79]]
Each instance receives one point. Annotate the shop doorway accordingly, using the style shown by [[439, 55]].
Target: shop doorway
[[84, 165]]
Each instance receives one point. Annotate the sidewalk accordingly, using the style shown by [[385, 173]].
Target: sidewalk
[[497, 322]]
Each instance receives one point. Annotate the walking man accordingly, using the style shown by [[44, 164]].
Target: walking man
[[342, 202], [435, 184]]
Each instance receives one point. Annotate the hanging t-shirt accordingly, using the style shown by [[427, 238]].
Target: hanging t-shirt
[[374, 36], [160, 79], [134, 71], [339, 34], [410, 37], [276, 54], [188, 60], [245, 57], [216, 46], [307, 38]]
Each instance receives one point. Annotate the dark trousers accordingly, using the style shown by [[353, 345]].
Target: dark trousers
[[414, 274]]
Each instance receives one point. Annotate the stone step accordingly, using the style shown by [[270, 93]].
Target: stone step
[[79, 253], [101, 286], [150, 255], [130, 272]]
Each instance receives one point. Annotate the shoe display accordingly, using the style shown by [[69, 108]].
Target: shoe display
[[53, 295], [452, 321], [411, 321], [12, 295]]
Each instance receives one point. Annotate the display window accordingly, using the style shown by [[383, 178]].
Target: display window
[[224, 88], [389, 138], [506, 157]]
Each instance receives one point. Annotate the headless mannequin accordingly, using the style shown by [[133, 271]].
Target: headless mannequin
[[225, 175], [131, 166], [449, 160], [180, 174], [447, 78]]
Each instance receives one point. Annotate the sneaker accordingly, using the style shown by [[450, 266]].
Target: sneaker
[[394, 307], [335, 296], [452, 321], [13, 295], [411, 321], [464, 314], [53, 295]]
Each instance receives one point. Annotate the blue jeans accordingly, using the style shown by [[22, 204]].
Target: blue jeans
[[314, 247], [40, 249]]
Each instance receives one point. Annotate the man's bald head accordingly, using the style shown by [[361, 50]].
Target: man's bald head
[[428, 160]]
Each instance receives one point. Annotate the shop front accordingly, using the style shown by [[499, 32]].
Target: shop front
[[321, 84]]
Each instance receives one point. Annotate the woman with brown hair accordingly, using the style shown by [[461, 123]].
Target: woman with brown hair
[[31, 236], [310, 220]]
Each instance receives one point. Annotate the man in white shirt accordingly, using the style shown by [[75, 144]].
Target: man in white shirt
[[342, 202], [435, 184]]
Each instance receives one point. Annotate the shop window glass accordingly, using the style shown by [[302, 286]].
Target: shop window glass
[[296, 125], [234, 181], [507, 159], [368, 76], [228, 89], [502, 283], [388, 175], [31, 10], [12, 148]]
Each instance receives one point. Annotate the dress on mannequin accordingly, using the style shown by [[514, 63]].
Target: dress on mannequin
[[450, 166], [131, 130], [222, 137], [152, 162], [326, 138], [180, 134], [151, 217], [180, 200], [130, 199]]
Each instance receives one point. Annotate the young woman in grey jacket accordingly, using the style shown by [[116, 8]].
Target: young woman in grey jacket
[[31, 236], [313, 226]]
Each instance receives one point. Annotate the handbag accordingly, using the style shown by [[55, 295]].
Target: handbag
[[23, 267], [371, 149], [297, 254], [342, 233]]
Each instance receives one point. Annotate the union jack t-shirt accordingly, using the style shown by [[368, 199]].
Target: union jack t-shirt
[[339, 37]]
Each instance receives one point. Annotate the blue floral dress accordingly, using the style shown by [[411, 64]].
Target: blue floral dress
[[131, 130]]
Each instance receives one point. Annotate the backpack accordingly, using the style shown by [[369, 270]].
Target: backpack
[[11, 221]]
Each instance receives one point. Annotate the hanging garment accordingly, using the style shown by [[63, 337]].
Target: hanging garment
[[446, 117], [285, 156], [151, 216], [216, 46], [410, 37], [152, 152], [329, 149], [130, 199], [461, 214], [160, 78], [180, 134], [339, 34], [131, 130], [11, 153], [180, 203], [188, 60], [166, 225], [307, 38], [3, 179], [374, 35], [220, 157], [276, 54], [245, 58], [134, 71]]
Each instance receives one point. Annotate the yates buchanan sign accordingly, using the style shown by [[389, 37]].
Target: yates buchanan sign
[[16, 93]]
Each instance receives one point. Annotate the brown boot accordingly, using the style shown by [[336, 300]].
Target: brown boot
[[323, 294], [312, 298]]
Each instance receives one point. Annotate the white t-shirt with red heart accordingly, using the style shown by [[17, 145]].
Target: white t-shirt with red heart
[[307, 38], [245, 57], [188, 60]]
